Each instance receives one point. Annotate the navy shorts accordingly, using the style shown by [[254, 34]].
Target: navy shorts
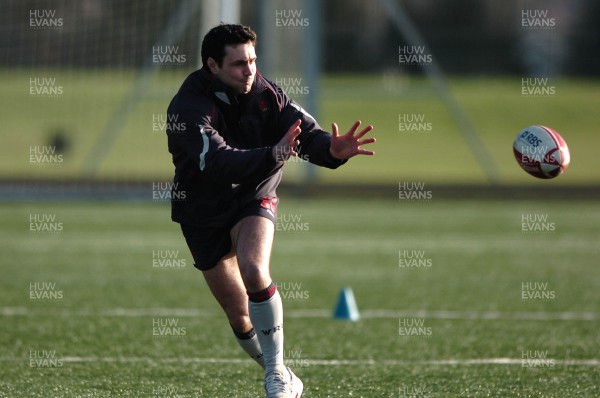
[[209, 245]]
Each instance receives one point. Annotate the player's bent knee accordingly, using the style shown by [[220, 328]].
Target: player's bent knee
[[255, 277]]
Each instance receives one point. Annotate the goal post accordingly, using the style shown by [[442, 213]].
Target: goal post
[[404, 25], [211, 13]]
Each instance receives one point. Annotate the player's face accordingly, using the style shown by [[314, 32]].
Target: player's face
[[238, 68]]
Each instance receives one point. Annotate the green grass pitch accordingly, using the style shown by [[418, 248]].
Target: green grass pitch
[[498, 310], [495, 106]]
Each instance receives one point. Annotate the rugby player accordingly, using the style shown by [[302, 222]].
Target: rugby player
[[235, 130]]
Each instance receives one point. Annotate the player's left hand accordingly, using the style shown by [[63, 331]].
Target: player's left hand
[[348, 145]]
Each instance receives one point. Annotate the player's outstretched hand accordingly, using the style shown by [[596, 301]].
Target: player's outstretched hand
[[348, 145], [286, 147]]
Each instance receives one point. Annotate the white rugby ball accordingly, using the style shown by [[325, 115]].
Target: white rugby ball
[[541, 152]]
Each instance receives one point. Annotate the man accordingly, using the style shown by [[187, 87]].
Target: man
[[234, 130]]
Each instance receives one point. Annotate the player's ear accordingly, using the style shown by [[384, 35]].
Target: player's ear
[[212, 65]]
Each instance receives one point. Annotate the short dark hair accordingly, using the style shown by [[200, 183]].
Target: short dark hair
[[213, 45]]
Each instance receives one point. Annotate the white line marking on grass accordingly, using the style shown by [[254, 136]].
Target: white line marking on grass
[[313, 313], [449, 362], [108, 312], [322, 362], [482, 315]]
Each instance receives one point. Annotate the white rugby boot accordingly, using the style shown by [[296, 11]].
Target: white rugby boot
[[283, 384], [297, 385]]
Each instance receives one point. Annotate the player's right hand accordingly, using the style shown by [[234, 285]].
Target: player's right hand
[[286, 147]]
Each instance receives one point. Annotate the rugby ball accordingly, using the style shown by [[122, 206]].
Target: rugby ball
[[541, 152]]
